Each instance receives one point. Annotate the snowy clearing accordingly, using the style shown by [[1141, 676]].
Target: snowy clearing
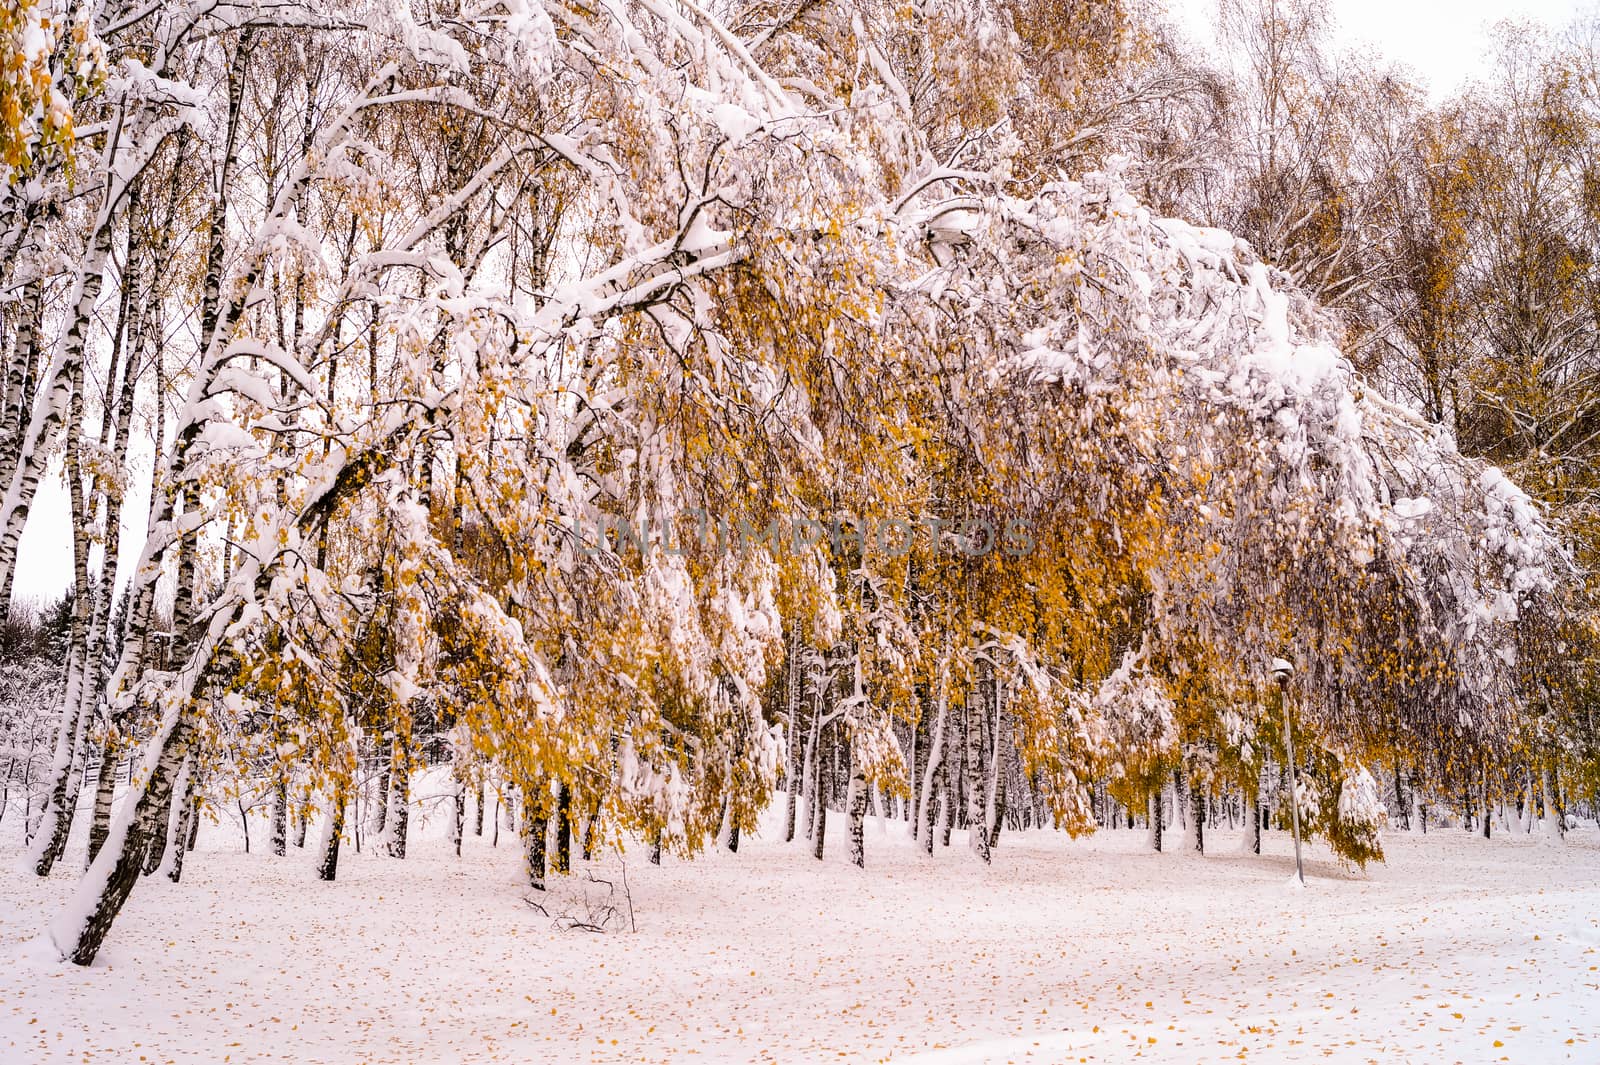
[[1458, 949]]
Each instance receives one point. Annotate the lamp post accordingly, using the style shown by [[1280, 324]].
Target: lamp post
[[1282, 670]]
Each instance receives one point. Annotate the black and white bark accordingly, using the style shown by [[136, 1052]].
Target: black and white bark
[[1156, 805], [809, 772], [1488, 816], [856, 809], [591, 829], [794, 682], [977, 830], [79, 929], [535, 828], [380, 809], [105, 787], [458, 814], [994, 815], [193, 835], [936, 746], [930, 807], [562, 862], [333, 833], [399, 802], [819, 827], [18, 375], [66, 767], [187, 813], [133, 137], [1251, 800], [280, 814], [160, 831]]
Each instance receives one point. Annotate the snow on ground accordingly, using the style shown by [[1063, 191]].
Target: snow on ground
[[1458, 949]]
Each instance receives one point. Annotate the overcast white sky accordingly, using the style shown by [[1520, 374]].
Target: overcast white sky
[[1443, 40]]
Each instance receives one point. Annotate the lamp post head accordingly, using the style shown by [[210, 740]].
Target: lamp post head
[[1282, 670]]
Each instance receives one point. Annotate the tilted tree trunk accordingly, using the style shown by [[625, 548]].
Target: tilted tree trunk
[[188, 816], [105, 787], [930, 774], [329, 867], [194, 823], [160, 829], [81, 927]]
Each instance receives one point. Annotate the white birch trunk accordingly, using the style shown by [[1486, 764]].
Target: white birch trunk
[[1554, 830], [924, 818], [856, 808], [977, 830]]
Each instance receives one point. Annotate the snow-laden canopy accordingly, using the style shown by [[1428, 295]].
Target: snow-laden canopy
[[526, 272], [1284, 508]]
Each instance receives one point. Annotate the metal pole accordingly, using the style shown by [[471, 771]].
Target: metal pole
[[1294, 795]]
